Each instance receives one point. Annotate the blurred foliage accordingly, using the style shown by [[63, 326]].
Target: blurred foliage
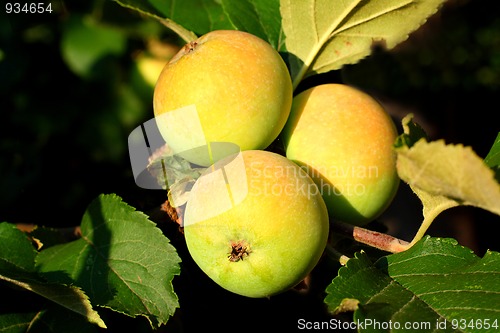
[[458, 48], [448, 70], [71, 94]]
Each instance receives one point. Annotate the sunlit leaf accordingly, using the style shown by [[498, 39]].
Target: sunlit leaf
[[452, 171], [324, 35], [445, 176]]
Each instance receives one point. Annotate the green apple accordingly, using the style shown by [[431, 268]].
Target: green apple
[[343, 137], [255, 223], [226, 86]]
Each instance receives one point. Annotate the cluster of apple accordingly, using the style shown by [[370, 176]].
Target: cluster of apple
[[257, 222]]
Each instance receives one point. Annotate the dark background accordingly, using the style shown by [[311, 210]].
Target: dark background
[[63, 133]]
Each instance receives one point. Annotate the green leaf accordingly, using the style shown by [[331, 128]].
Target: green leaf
[[199, 16], [343, 294], [69, 297], [436, 282], [169, 169], [147, 8], [54, 319], [16, 322], [17, 254], [261, 18], [324, 35], [412, 132], [46, 237], [445, 176], [122, 261], [84, 43], [187, 18], [17, 267], [493, 157]]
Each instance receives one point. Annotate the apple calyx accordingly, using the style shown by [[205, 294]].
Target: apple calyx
[[186, 49], [239, 250], [191, 46]]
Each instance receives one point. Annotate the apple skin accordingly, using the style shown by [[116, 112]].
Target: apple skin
[[277, 213], [240, 86], [344, 139]]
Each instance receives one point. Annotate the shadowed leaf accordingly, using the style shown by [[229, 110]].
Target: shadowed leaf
[[122, 261]]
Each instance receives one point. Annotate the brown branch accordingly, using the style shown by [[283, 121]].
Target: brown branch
[[374, 239]]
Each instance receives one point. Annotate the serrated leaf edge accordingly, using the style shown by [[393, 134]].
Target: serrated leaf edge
[[91, 315]]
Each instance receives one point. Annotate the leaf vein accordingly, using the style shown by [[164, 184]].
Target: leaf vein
[[381, 291], [459, 291], [418, 257], [469, 308], [444, 274], [373, 16]]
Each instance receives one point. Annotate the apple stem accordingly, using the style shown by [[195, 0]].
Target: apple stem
[[372, 238], [184, 33]]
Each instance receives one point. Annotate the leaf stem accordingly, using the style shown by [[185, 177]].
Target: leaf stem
[[374, 239], [182, 32], [429, 217], [186, 35], [323, 39]]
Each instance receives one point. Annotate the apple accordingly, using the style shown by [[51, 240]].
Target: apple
[[150, 68], [344, 139], [255, 223], [226, 86], [145, 70], [148, 64]]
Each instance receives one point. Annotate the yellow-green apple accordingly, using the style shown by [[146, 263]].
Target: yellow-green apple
[[144, 72], [150, 68], [226, 86], [148, 64], [343, 138], [256, 223]]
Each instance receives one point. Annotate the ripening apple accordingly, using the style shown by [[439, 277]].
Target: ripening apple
[[226, 86], [343, 138], [255, 223]]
